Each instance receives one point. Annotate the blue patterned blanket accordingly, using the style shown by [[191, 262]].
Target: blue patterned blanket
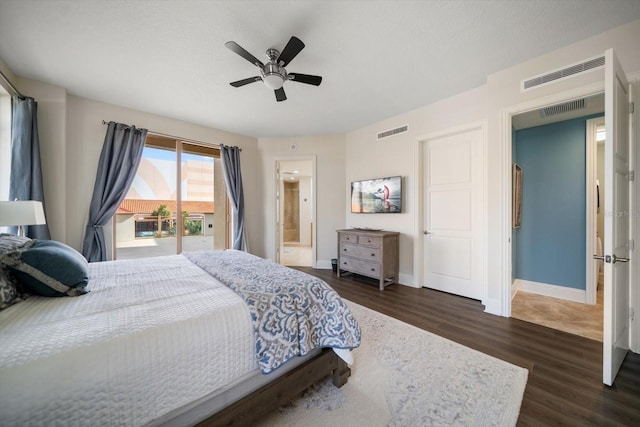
[[292, 312]]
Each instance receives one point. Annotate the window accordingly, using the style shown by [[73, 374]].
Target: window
[[5, 143], [5, 147], [177, 202]]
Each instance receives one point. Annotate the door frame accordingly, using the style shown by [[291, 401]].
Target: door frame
[[278, 195], [506, 116], [418, 244]]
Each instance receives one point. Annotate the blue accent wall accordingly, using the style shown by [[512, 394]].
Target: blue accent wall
[[550, 244]]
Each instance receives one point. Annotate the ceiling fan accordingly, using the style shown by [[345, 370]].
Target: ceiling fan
[[273, 73]]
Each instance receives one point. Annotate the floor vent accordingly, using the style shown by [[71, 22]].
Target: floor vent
[[392, 132], [554, 76], [565, 107]]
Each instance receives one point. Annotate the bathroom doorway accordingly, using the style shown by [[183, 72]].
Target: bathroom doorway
[[296, 212], [556, 281]]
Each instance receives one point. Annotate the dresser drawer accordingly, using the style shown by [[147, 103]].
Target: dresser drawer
[[370, 240], [360, 266], [353, 250], [349, 237]]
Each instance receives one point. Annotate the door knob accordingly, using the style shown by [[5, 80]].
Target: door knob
[[610, 259], [426, 232], [616, 259]]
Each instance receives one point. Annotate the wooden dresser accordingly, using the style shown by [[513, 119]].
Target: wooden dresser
[[370, 253]]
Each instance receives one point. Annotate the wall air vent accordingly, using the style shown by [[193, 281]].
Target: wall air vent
[[554, 76], [392, 132], [565, 107]]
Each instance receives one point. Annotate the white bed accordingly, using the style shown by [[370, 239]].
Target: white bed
[[155, 341]]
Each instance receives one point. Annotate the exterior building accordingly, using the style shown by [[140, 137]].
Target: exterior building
[[155, 186]]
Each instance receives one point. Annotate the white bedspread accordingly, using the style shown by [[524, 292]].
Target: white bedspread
[[149, 337]]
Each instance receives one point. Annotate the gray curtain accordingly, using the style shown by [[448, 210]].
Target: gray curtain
[[233, 181], [119, 160], [25, 182]]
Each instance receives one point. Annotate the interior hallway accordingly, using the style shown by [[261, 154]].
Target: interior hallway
[[580, 319]]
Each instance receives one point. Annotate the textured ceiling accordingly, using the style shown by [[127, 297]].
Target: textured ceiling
[[377, 58]]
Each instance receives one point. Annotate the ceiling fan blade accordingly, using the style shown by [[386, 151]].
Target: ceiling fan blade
[[235, 47], [306, 78], [280, 95], [246, 81], [290, 51]]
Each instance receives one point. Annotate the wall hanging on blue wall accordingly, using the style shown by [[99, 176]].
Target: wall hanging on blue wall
[[517, 196]]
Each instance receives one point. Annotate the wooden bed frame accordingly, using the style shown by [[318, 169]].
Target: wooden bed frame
[[282, 390]]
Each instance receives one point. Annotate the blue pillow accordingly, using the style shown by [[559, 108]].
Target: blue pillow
[[49, 268]]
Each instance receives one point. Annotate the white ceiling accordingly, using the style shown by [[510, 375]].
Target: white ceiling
[[291, 170], [377, 58]]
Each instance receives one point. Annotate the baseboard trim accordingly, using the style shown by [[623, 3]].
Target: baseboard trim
[[554, 291], [514, 289]]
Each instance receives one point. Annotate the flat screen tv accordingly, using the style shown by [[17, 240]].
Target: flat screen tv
[[380, 195]]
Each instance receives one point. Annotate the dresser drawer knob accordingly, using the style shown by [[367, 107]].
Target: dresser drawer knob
[[373, 254]]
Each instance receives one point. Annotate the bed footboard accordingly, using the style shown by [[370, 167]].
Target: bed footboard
[[282, 390]]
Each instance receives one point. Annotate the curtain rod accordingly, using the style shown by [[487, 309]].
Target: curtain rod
[[11, 86], [193, 141]]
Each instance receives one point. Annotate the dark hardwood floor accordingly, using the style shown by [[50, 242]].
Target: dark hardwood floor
[[564, 386]]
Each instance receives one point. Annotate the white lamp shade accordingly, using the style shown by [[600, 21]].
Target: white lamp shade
[[21, 212], [273, 81]]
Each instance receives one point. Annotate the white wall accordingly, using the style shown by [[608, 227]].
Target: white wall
[[504, 95], [85, 136], [369, 158], [366, 157], [72, 133], [329, 153], [71, 138], [306, 211]]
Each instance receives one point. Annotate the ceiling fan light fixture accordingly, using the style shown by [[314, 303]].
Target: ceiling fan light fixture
[[273, 81], [272, 73]]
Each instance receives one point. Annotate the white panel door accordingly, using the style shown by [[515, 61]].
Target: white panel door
[[453, 213], [616, 220]]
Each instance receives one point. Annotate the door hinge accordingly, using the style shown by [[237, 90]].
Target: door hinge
[[632, 107], [632, 244], [632, 176], [631, 314]]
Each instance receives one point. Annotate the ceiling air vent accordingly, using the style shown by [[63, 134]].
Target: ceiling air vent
[[392, 132], [565, 107], [554, 76]]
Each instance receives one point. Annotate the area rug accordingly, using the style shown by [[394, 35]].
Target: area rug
[[405, 376]]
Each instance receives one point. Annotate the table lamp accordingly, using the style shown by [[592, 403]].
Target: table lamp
[[20, 213]]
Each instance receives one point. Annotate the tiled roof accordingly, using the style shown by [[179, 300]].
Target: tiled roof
[[140, 206]]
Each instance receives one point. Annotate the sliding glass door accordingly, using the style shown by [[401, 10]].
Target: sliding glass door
[[177, 202]]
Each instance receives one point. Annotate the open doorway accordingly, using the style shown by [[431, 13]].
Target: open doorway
[[555, 278], [296, 212]]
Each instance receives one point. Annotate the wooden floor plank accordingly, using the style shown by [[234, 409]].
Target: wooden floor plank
[[565, 371]]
